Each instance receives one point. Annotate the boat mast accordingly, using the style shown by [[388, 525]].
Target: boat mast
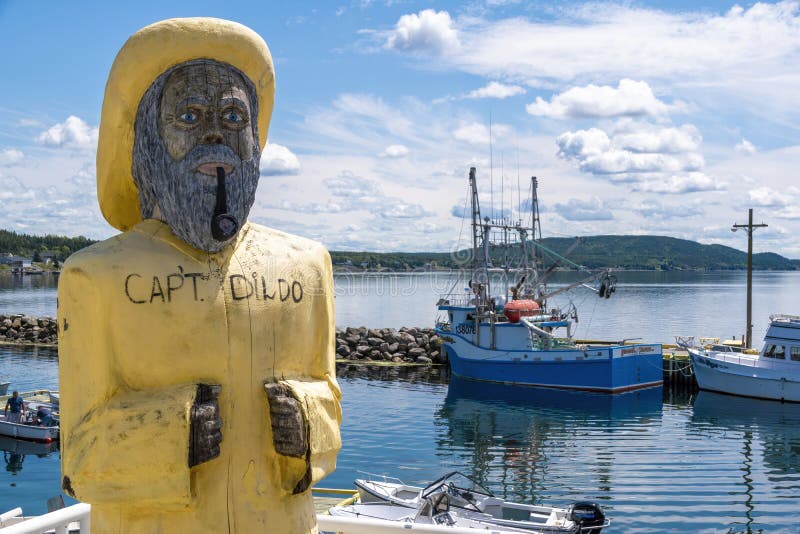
[[536, 236]]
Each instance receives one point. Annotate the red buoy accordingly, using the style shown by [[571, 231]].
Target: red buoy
[[520, 308]]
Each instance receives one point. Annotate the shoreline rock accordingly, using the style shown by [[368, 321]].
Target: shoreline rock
[[358, 344], [26, 330]]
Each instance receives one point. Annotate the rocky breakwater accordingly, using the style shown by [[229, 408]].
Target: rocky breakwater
[[24, 329], [407, 345]]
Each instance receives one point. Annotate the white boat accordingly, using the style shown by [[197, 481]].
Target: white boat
[[28, 428], [458, 501], [29, 431], [773, 373]]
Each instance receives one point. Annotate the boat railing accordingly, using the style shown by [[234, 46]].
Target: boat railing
[[461, 301], [63, 521], [784, 318]]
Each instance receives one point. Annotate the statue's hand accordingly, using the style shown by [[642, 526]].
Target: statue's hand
[[204, 432], [288, 428]]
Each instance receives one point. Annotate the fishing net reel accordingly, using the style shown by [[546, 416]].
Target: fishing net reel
[[608, 285]]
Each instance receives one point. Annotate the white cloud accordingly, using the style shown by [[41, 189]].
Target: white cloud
[[648, 157], [648, 138], [403, 210], [29, 123], [629, 98], [428, 31], [69, 208], [583, 144], [394, 151], [476, 133], [73, 133], [496, 90], [10, 156], [745, 147], [348, 185], [675, 184], [584, 210], [769, 197], [278, 160], [609, 39]]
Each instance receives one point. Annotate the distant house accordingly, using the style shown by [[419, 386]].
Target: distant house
[[17, 263], [48, 257]]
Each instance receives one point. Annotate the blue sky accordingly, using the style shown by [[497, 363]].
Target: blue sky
[[662, 118]]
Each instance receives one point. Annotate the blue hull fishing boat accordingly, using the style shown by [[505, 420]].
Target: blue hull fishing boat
[[512, 336]]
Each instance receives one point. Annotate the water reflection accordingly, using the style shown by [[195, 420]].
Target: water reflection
[[765, 436], [516, 435], [391, 373], [15, 451]]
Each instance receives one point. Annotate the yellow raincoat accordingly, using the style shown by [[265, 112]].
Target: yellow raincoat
[[144, 318]]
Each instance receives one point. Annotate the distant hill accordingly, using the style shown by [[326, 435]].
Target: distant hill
[[623, 252], [644, 252]]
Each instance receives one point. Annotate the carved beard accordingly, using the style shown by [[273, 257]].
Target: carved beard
[[187, 198]]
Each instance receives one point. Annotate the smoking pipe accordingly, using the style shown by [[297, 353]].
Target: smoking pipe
[[223, 225]]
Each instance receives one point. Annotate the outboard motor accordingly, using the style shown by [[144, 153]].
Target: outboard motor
[[587, 515]]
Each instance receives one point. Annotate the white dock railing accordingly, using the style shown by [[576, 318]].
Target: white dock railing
[[61, 521], [67, 519]]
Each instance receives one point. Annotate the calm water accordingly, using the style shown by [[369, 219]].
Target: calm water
[[653, 306], [657, 461]]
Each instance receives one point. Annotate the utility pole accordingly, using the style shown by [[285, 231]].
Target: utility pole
[[749, 228]]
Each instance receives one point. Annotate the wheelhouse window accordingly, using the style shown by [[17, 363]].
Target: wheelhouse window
[[795, 353], [776, 351]]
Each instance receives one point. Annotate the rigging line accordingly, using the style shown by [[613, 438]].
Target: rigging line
[[557, 255], [519, 193], [502, 187], [491, 167]]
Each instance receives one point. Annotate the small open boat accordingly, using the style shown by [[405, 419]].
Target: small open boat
[[28, 428], [456, 500]]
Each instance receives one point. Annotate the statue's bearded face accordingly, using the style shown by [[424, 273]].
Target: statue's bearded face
[[203, 120]]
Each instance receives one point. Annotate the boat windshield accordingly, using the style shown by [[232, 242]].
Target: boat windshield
[[455, 480]]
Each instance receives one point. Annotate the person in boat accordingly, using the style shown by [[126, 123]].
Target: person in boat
[[16, 406], [198, 389], [44, 417]]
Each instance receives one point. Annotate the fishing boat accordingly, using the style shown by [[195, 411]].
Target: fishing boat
[[457, 501], [503, 330], [771, 373]]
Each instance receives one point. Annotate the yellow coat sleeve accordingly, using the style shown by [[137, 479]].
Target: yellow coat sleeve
[[323, 416], [118, 446]]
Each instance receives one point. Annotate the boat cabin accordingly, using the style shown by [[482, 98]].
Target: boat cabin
[[782, 341]]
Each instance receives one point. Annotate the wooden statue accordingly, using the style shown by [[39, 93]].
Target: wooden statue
[[198, 389]]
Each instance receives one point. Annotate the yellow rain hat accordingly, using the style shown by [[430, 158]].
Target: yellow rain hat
[[147, 54]]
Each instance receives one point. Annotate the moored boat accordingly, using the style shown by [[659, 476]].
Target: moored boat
[[455, 500], [772, 373], [511, 336]]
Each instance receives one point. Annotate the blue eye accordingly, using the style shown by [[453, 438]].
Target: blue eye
[[233, 116], [190, 117]]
